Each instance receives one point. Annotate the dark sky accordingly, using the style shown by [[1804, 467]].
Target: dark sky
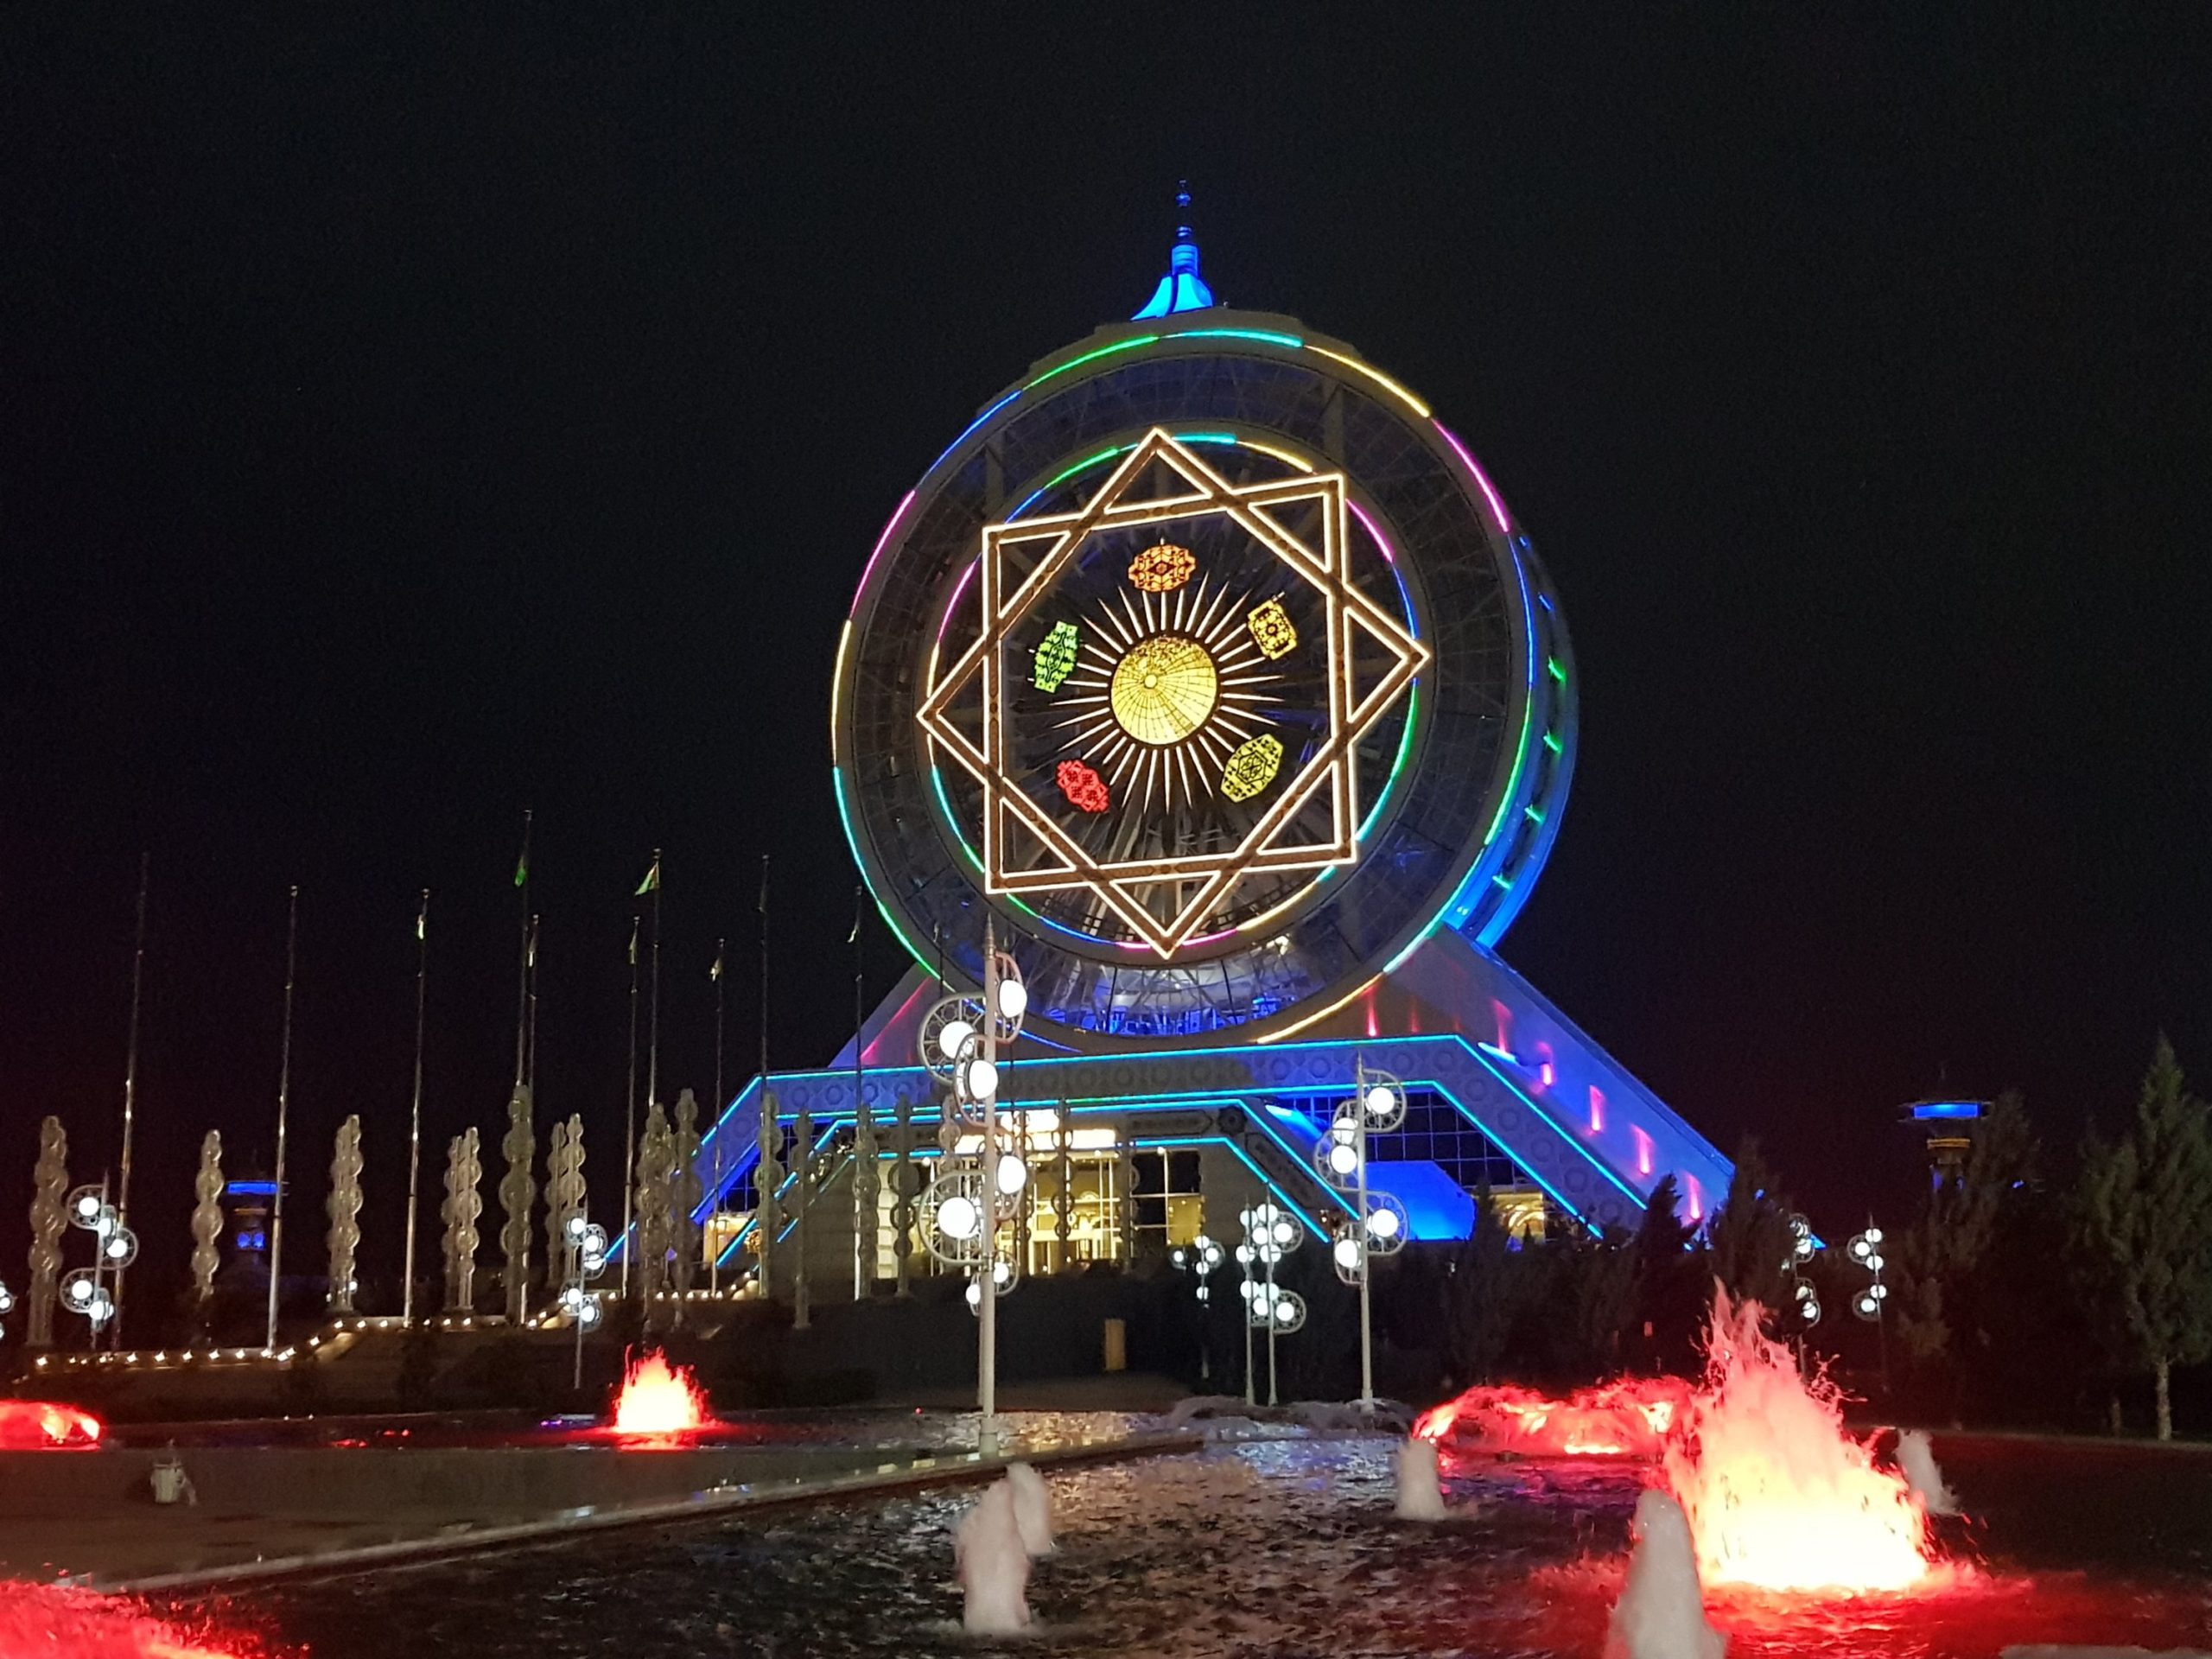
[[401, 425]]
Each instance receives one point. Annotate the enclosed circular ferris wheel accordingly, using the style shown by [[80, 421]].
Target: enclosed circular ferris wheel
[[1211, 665]]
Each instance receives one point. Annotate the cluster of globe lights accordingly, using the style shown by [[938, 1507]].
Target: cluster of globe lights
[[1340, 1156], [1270, 1234], [952, 1041], [588, 1240], [7, 1305], [82, 1289], [1802, 1247], [1202, 1256], [1865, 1248]]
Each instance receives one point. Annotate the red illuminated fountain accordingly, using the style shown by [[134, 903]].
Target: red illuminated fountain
[[659, 1401], [1627, 1419], [36, 1425], [1779, 1495], [41, 1619]]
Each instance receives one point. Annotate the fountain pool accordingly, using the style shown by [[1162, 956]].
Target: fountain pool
[[1287, 1546]]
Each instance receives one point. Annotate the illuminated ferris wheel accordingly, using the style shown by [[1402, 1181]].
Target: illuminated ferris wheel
[[1213, 664]]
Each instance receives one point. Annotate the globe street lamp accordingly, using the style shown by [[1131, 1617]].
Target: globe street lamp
[[1270, 1234], [1201, 1258], [1378, 1224], [585, 1245], [116, 1246], [1865, 1248], [967, 1203]]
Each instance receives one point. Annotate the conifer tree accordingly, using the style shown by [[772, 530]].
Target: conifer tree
[[2144, 1230], [1749, 1236]]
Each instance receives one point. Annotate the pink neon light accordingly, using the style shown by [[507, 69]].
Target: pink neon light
[[1381, 540], [1697, 1198], [1597, 1109], [1496, 506], [868, 1055], [959, 588], [882, 541], [1643, 1150], [1504, 1016], [1370, 1012]]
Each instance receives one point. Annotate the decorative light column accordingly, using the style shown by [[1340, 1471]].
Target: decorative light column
[[1802, 1292], [967, 1204], [1201, 1258], [1270, 1234], [586, 1244], [1378, 1224], [83, 1289], [1865, 1248]]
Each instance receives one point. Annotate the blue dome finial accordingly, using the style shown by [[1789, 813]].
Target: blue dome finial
[[1181, 289]]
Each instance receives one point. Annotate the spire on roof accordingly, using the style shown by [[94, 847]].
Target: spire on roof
[[1181, 289]]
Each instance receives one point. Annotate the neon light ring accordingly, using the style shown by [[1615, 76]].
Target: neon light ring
[[1216, 669]]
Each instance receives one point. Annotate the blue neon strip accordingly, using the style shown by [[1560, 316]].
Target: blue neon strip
[[971, 426], [251, 1189]]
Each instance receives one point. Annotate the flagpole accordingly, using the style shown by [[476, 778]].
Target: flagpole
[[522, 970], [714, 1215], [653, 1050], [530, 1073], [131, 1085], [284, 1108], [630, 1118], [415, 1114]]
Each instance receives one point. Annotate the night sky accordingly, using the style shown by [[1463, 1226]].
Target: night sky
[[400, 426]]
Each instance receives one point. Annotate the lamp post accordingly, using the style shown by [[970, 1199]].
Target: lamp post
[[7, 1305], [1201, 1257], [586, 1245], [1865, 1248], [83, 1290], [1800, 1288], [967, 1203], [1270, 1234], [1378, 1224]]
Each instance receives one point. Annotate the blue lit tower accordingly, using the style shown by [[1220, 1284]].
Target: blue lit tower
[[1211, 665]]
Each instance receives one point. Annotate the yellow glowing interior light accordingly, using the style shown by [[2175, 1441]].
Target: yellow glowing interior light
[[1252, 767], [1055, 657], [1164, 689], [1162, 568], [1272, 629], [1376, 375]]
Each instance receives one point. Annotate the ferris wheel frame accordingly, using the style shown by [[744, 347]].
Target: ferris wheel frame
[[1468, 813]]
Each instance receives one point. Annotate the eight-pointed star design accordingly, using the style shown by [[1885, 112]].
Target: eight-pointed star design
[[1200, 881]]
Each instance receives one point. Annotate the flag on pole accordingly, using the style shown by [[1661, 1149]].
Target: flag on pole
[[521, 864], [859, 904], [423, 918], [633, 941], [715, 973], [651, 880]]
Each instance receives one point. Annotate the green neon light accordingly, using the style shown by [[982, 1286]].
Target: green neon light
[[1557, 673], [1107, 454], [1090, 357], [1513, 783], [844, 816], [1503, 884], [1533, 813], [1551, 743], [1291, 340], [1405, 753]]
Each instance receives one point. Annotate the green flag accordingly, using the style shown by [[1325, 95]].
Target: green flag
[[521, 864], [651, 880]]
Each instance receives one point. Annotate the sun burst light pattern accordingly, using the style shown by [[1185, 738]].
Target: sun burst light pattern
[[1165, 691], [1168, 686]]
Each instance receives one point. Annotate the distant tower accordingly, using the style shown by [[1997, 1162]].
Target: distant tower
[[1948, 1125], [1182, 288]]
